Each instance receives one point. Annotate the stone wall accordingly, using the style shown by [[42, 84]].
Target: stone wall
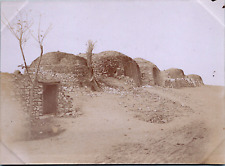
[[67, 84]]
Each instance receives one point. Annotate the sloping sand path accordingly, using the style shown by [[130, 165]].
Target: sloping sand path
[[107, 132]]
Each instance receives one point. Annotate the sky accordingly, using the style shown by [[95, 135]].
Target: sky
[[185, 34]]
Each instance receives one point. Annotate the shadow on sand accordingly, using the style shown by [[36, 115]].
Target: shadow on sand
[[43, 128]]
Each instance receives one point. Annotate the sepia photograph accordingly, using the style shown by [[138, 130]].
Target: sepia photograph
[[112, 82]]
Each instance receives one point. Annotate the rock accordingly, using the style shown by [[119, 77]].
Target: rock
[[69, 113]]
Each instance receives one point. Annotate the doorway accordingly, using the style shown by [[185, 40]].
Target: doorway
[[156, 76], [50, 94]]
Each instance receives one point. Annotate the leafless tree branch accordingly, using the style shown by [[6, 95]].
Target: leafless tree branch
[[95, 85]]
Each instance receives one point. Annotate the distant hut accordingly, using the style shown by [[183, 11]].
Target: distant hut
[[150, 73], [196, 79], [175, 78], [174, 73]]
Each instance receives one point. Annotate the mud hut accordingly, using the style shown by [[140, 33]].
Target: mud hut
[[150, 73], [175, 78], [195, 79], [174, 73], [115, 64], [60, 62], [60, 74]]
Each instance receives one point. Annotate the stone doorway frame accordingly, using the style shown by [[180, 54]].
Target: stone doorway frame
[[45, 106]]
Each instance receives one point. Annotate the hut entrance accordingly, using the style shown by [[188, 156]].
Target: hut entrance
[[50, 94], [156, 76]]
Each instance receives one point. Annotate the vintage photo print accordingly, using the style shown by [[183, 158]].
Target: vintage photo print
[[110, 81]]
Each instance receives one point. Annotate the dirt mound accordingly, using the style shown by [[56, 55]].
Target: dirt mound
[[150, 73], [115, 64], [61, 62]]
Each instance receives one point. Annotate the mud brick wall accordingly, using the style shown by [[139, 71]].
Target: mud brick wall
[[150, 73], [147, 76]]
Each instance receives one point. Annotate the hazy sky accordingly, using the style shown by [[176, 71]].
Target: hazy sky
[[186, 34]]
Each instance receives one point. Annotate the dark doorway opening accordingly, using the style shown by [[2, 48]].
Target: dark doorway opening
[[156, 76], [50, 94]]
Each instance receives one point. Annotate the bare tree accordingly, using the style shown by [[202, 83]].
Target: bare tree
[[21, 29], [40, 39], [93, 81]]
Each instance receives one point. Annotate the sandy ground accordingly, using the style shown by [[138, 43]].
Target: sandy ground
[[145, 125]]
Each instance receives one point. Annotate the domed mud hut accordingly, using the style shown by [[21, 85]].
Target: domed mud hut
[[195, 79], [57, 65], [115, 64], [150, 73], [59, 74], [175, 78], [174, 73]]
